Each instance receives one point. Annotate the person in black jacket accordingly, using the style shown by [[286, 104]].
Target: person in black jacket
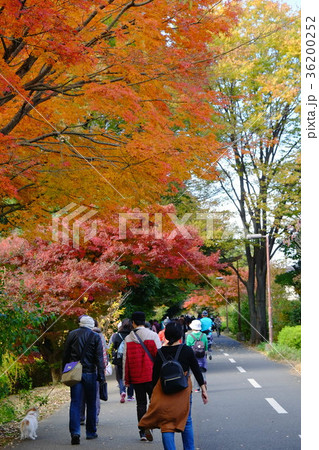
[[93, 370], [172, 412]]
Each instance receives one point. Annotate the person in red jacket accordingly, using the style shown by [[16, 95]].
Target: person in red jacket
[[138, 365]]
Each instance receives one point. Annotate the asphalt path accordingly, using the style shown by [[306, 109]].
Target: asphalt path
[[254, 404]]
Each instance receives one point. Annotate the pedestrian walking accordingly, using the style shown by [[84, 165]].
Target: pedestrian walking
[[172, 412], [98, 400], [198, 341], [218, 324], [86, 343], [206, 323], [139, 352], [117, 342], [161, 333]]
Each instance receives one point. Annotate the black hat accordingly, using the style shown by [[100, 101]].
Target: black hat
[[138, 316]]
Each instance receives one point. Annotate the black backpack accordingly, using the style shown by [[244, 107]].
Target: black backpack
[[117, 354], [198, 346], [172, 374]]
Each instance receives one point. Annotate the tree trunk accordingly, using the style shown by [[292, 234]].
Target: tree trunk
[[261, 306], [51, 351], [251, 300], [55, 374], [257, 269]]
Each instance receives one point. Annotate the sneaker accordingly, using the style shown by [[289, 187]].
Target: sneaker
[[210, 357], [75, 439], [142, 436], [92, 436], [123, 395], [148, 434], [197, 390], [130, 399]]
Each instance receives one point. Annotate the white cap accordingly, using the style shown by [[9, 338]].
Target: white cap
[[196, 325]]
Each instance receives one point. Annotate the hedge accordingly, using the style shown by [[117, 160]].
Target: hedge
[[290, 336]]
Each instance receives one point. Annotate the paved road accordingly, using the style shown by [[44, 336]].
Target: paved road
[[238, 415]]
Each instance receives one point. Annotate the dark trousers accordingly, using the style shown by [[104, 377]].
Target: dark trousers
[[142, 390]]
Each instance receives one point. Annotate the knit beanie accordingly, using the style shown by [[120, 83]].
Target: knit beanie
[[87, 321]]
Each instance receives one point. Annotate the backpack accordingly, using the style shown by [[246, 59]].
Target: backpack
[[120, 350], [117, 355], [172, 374], [198, 346]]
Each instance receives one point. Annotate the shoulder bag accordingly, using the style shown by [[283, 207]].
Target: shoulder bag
[[144, 346], [72, 372]]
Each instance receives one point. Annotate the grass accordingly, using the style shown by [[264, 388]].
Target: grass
[[283, 353]]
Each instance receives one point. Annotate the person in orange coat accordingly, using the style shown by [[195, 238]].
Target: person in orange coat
[[161, 334], [172, 412]]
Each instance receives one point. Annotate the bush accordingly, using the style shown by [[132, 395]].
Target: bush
[[285, 313], [7, 412], [290, 336], [4, 385], [15, 376], [245, 319], [19, 375], [39, 372]]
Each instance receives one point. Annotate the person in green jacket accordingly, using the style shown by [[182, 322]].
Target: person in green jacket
[[198, 341]]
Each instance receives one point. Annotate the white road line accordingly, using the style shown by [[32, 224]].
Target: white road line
[[226, 354], [231, 360], [241, 369], [254, 383], [276, 406]]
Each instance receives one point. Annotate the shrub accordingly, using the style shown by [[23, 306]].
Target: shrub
[[245, 319], [15, 375], [7, 412], [4, 385], [290, 336], [40, 373], [285, 313], [22, 375]]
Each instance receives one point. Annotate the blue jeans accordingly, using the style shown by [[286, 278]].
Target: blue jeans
[[187, 435], [119, 379], [129, 390], [98, 404], [87, 386]]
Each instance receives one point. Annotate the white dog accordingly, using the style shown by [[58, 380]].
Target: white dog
[[29, 424]]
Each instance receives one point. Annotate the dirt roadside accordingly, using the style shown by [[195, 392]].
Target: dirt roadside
[[57, 395]]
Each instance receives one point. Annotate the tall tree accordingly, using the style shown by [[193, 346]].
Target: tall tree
[[102, 102], [64, 281], [259, 172]]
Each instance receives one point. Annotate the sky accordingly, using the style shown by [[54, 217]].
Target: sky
[[294, 3]]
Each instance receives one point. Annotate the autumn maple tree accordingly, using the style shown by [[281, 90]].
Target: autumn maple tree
[[103, 102], [65, 281], [217, 292]]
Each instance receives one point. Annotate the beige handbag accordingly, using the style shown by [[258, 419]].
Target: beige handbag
[[72, 372]]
